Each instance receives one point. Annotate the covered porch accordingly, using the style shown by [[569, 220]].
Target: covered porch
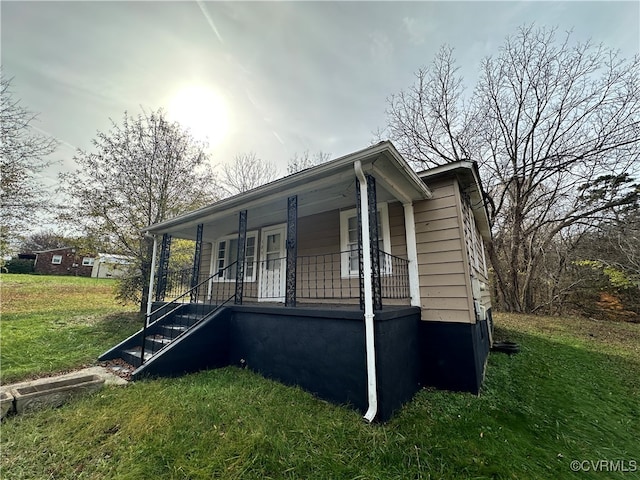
[[303, 240]]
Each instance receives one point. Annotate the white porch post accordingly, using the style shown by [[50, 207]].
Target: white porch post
[[152, 277], [412, 253]]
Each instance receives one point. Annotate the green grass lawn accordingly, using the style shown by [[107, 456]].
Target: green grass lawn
[[53, 323], [573, 393]]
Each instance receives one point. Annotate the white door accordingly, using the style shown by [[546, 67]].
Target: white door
[[272, 264]]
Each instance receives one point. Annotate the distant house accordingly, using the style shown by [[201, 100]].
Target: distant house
[[359, 280], [109, 265], [64, 261]]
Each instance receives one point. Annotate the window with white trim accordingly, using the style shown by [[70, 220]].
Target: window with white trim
[[56, 259], [87, 262], [349, 240], [226, 253]]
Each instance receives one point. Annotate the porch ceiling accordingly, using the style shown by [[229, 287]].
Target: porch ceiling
[[330, 186]]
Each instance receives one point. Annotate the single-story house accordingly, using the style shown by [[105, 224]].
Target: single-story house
[[63, 261], [358, 279], [110, 265]]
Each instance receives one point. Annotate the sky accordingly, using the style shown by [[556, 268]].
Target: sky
[[273, 78]]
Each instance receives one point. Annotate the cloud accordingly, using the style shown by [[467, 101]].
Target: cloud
[[417, 29], [380, 47]]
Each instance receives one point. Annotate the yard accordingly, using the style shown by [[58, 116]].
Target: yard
[[572, 393]]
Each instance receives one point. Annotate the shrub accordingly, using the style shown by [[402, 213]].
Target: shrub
[[19, 265]]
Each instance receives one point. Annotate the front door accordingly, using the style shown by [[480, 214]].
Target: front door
[[272, 264]]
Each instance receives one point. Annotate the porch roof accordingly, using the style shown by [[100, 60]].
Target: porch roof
[[325, 187]]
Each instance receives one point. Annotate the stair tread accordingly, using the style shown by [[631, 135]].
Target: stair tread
[[175, 326], [159, 339], [194, 316], [136, 352]]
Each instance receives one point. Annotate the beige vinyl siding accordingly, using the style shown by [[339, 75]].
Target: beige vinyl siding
[[319, 234], [475, 250], [205, 259], [396, 226], [444, 279], [319, 269]]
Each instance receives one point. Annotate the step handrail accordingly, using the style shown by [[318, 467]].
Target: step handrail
[[207, 316], [219, 273]]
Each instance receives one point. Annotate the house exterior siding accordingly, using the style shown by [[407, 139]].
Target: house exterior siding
[[444, 278], [70, 263], [476, 257]]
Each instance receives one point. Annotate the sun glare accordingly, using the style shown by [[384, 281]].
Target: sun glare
[[202, 111]]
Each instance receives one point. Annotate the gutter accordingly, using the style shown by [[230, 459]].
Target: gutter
[[372, 387]]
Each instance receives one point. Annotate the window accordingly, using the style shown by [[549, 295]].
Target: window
[[226, 253], [349, 240], [87, 262], [56, 259]]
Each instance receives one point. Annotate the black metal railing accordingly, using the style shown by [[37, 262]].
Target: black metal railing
[[178, 282], [326, 277], [187, 309], [394, 276]]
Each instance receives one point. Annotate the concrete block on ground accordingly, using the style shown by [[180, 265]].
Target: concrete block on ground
[[6, 403], [53, 392]]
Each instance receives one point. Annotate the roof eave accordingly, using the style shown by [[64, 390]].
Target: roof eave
[[291, 182], [468, 174]]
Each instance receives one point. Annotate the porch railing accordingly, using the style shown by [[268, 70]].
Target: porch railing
[[318, 277], [324, 277], [394, 276]]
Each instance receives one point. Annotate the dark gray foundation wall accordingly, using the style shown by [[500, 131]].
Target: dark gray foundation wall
[[454, 355], [323, 351]]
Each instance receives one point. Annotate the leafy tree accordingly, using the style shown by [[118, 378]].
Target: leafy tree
[[616, 245], [49, 240], [306, 160], [246, 172], [45, 240], [143, 171], [22, 157], [555, 126]]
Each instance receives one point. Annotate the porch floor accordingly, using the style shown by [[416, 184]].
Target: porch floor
[[330, 310]]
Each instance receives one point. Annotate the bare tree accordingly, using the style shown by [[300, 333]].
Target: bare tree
[[430, 122], [306, 160], [22, 157], [246, 172], [143, 171], [555, 126]]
